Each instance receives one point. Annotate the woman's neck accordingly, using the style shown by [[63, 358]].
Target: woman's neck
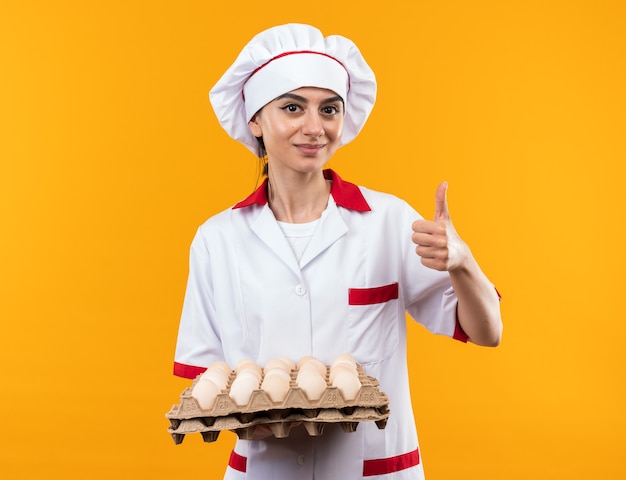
[[298, 198]]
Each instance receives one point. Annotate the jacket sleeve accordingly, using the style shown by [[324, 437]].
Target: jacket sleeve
[[428, 294], [198, 344]]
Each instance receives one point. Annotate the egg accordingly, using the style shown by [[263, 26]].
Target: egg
[[312, 363], [244, 384], [247, 374], [289, 362], [348, 384], [339, 368], [277, 363], [258, 374], [344, 363], [277, 372], [217, 376], [309, 369], [312, 384], [205, 392], [276, 386], [247, 364], [304, 360], [221, 366], [344, 359]]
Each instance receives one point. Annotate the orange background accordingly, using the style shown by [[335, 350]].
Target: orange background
[[110, 157]]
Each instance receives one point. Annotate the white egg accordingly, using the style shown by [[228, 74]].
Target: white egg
[[348, 385], [250, 370], [345, 357], [277, 363], [247, 364], [247, 374], [242, 388], [205, 392], [304, 360], [216, 376], [277, 372], [289, 362], [276, 386], [314, 364], [312, 384], [339, 368], [344, 363], [221, 366]]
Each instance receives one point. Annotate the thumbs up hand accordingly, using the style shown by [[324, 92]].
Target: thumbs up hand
[[438, 244]]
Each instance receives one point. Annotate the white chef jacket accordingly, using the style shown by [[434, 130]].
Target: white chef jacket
[[249, 297]]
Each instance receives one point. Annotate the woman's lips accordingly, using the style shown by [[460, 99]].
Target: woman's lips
[[309, 148]]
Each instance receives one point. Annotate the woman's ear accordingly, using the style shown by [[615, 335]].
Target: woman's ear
[[255, 128]]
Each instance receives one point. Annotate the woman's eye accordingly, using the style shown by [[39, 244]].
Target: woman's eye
[[292, 108], [330, 110]]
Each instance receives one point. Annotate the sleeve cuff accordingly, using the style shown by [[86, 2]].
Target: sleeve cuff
[[459, 334], [187, 371]]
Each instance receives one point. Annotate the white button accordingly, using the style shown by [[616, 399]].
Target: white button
[[300, 290], [300, 460]]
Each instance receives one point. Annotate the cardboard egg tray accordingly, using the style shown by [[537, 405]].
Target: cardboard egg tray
[[370, 405]]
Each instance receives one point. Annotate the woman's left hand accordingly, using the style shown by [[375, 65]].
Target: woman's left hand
[[441, 248], [438, 244]]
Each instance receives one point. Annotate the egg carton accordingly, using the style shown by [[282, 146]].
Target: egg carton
[[369, 405]]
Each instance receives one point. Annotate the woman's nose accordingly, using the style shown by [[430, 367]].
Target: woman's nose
[[313, 125]]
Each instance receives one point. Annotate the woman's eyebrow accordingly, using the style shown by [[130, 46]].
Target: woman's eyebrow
[[334, 99], [299, 98], [292, 96]]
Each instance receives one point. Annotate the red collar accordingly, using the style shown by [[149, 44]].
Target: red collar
[[345, 194]]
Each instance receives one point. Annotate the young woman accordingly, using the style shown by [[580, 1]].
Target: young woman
[[310, 264]]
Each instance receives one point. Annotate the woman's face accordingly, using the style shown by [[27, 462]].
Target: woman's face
[[301, 129]]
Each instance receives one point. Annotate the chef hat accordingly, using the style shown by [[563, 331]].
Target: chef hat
[[285, 58]]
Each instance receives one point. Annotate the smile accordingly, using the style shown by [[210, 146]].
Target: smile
[[309, 149]]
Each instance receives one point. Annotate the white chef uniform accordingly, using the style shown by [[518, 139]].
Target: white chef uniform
[[249, 297]]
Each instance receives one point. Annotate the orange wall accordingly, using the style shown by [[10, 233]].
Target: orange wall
[[110, 157]]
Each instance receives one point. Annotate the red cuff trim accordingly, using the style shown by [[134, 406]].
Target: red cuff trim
[[237, 462], [459, 334], [382, 466], [187, 371], [370, 296]]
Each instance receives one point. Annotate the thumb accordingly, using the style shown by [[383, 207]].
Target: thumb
[[441, 203]]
